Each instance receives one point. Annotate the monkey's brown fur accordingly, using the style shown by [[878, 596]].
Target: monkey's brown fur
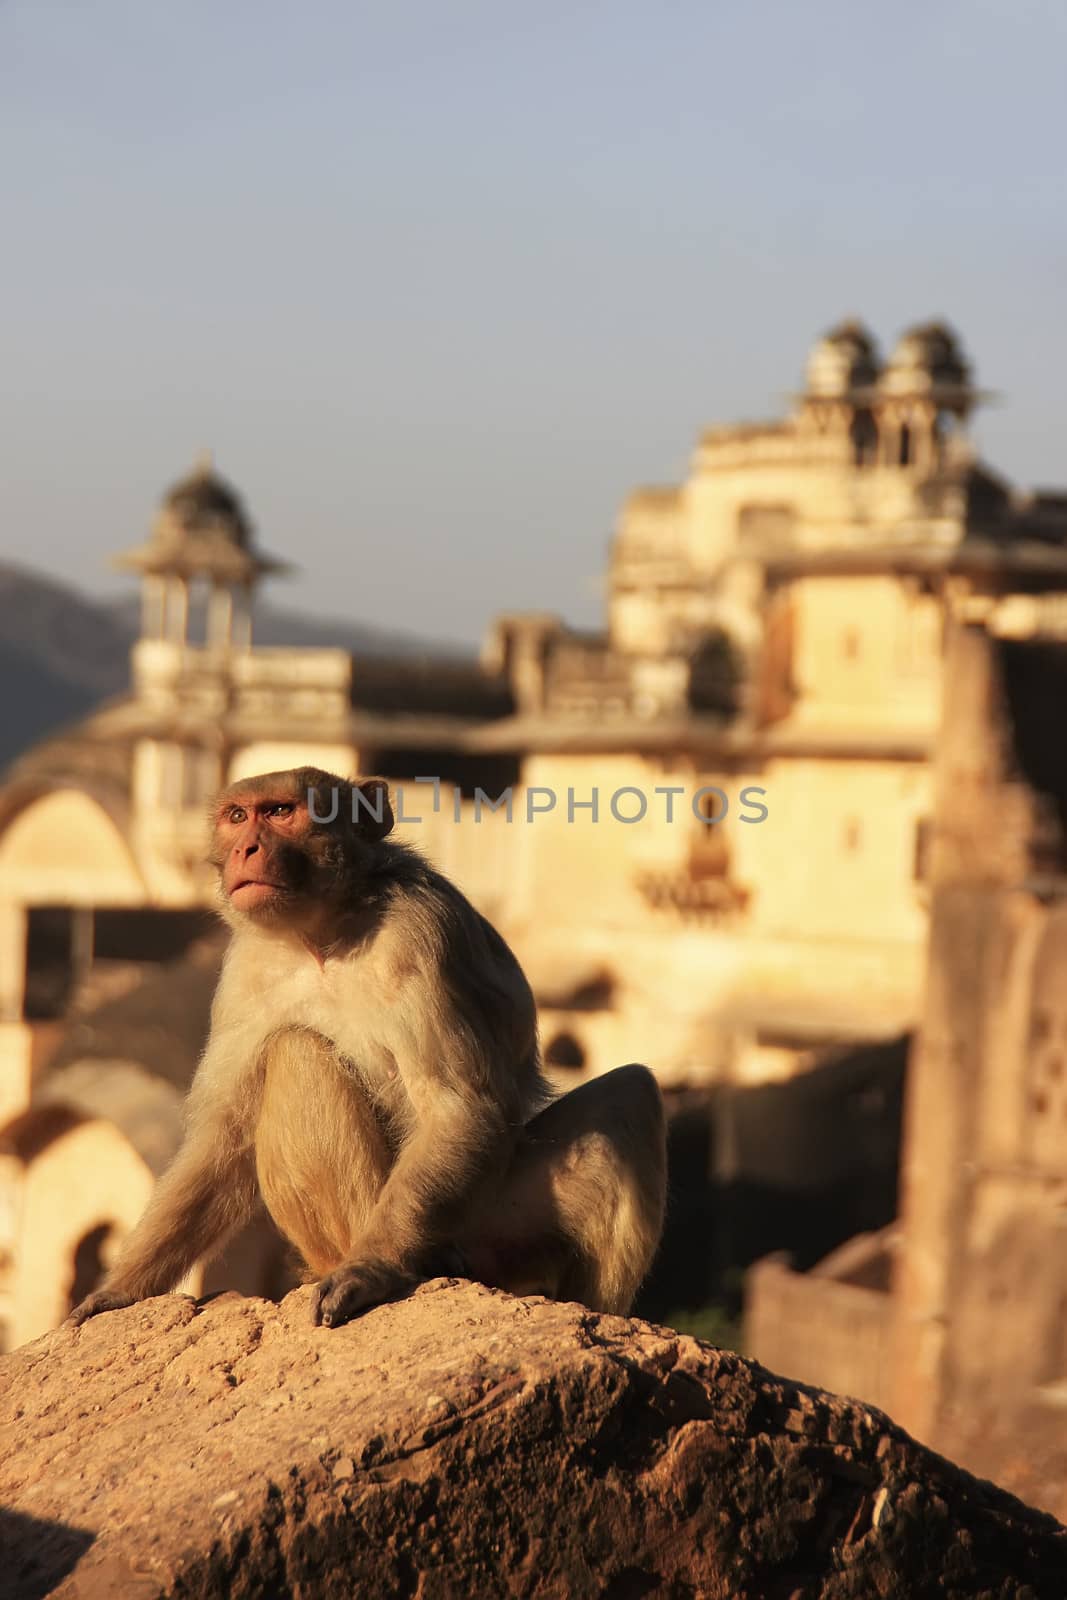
[[373, 1072]]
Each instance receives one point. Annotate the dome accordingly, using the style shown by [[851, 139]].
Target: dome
[[844, 360], [202, 530], [927, 357], [203, 504]]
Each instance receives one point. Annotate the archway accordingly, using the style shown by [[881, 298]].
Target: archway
[[92, 1257]]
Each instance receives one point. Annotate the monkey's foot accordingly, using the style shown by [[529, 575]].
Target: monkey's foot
[[94, 1304], [447, 1261], [348, 1290]]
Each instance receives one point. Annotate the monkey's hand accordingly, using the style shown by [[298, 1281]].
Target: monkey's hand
[[94, 1304], [355, 1287]]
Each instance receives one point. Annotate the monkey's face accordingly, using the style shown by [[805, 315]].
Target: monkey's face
[[290, 844], [266, 849]]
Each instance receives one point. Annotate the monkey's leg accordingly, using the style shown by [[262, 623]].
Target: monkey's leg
[[321, 1151], [581, 1213]]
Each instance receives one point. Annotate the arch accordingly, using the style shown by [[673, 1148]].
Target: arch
[[92, 1257], [905, 445], [26, 788], [80, 1178], [863, 435], [946, 425], [64, 847]]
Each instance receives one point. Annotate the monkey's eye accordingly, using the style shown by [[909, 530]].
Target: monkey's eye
[[281, 808], [237, 814]]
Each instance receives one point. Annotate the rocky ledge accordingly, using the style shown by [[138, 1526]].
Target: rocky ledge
[[465, 1443]]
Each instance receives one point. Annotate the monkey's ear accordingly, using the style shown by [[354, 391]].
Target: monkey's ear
[[372, 815]]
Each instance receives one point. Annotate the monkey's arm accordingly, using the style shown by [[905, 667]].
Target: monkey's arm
[[459, 1140], [208, 1190]]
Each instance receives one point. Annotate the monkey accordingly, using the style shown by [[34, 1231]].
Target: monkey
[[372, 1073]]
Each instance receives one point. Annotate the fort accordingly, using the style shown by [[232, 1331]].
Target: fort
[[843, 614]]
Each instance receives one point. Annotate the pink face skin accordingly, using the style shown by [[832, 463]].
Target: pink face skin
[[251, 834]]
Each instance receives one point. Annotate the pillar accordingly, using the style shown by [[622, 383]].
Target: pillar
[[220, 617], [177, 609], [153, 606], [241, 621]]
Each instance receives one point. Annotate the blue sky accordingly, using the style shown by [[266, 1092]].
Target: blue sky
[[440, 282]]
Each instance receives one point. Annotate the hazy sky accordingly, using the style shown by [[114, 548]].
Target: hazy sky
[[440, 280]]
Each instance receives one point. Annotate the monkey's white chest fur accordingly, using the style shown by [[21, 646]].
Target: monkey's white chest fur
[[342, 1002], [362, 1016], [333, 1102]]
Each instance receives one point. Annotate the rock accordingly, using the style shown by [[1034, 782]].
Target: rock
[[466, 1443]]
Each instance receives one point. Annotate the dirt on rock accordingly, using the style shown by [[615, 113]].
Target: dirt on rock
[[466, 1443]]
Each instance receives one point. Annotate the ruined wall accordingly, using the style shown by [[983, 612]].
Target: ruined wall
[[969, 1349], [835, 1335], [983, 1275], [1008, 1330], [957, 1057]]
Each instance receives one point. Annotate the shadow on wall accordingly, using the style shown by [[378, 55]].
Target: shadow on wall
[[1035, 685], [797, 1167]]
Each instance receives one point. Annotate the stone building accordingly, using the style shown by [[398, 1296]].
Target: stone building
[[953, 1318], [705, 829], [775, 629]]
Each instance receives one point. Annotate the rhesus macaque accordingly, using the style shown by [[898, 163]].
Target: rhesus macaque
[[373, 1072]]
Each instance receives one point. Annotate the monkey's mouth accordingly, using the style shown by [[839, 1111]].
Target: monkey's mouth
[[249, 892]]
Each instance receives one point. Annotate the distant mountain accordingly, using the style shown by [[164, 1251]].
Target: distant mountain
[[61, 652]]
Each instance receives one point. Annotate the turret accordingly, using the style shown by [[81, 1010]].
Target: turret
[[199, 566]]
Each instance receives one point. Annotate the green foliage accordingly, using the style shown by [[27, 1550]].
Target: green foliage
[[713, 1323]]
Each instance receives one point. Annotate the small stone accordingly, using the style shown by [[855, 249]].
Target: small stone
[[344, 1468], [881, 1500], [230, 1498]]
